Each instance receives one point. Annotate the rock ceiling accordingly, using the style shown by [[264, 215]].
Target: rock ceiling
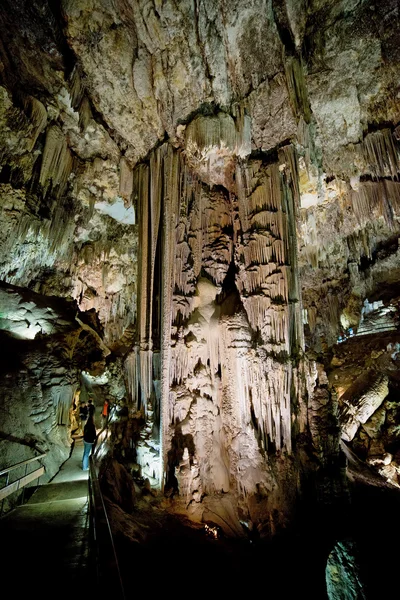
[[213, 188]]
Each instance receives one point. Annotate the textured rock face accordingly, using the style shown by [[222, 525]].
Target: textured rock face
[[217, 183], [364, 373], [214, 354], [343, 573], [366, 397], [44, 347]]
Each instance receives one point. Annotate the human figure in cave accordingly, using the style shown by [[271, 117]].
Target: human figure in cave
[[105, 412], [83, 414], [91, 408], [89, 438]]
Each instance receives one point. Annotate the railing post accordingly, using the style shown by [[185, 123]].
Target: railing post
[[25, 480], [107, 567], [2, 502], [23, 489]]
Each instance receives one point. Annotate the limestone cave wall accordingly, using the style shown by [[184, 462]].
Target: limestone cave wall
[[214, 187]]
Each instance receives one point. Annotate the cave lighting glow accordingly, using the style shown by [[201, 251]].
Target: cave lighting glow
[[23, 329], [97, 379]]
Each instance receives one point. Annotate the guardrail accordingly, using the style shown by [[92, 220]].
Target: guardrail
[[109, 579], [20, 483]]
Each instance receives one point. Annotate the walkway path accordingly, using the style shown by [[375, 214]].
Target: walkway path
[[45, 541]]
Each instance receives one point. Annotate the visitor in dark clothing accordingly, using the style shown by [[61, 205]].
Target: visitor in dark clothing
[[91, 408], [83, 415], [89, 438]]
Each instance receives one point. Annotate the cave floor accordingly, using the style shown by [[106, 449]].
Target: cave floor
[[45, 542]]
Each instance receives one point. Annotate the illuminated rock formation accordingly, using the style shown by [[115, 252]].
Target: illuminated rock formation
[[215, 189]]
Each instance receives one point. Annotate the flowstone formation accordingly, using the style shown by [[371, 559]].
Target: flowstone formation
[[220, 332], [215, 188]]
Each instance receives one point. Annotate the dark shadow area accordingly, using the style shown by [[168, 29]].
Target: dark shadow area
[[179, 442], [290, 567]]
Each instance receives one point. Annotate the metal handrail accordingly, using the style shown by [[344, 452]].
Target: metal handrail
[[18, 484], [108, 573], [21, 464]]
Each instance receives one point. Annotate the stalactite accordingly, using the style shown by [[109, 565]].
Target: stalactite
[[208, 135], [242, 192], [381, 154], [288, 157], [51, 239], [37, 114], [180, 362], [359, 244], [297, 88], [85, 114], [243, 132], [182, 305], [392, 189], [265, 386], [79, 101], [56, 162], [77, 89], [125, 179], [141, 187], [183, 280], [332, 314], [207, 132], [271, 221], [146, 376], [170, 217], [305, 140], [312, 317], [156, 183], [59, 231], [291, 205], [377, 198]]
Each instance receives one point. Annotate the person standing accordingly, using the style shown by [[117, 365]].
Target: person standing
[[89, 438], [91, 408], [105, 412], [83, 414]]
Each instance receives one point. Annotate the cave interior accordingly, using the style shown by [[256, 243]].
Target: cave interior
[[200, 224]]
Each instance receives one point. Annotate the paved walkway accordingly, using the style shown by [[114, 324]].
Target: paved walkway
[[45, 541]]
